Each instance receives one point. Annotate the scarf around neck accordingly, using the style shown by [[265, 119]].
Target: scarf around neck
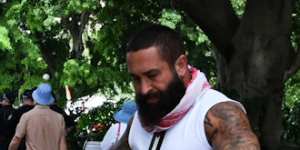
[[196, 87]]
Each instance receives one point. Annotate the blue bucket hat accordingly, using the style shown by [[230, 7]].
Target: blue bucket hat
[[126, 112], [42, 95]]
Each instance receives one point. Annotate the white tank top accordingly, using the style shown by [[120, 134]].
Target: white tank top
[[187, 134]]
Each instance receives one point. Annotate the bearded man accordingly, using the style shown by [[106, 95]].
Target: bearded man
[[177, 109]]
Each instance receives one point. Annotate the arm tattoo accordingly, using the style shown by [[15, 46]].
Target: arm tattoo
[[227, 128]]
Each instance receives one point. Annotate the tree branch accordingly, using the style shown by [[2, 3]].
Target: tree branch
[[54, 51], [294, 67], [216, 18], [76, 25]]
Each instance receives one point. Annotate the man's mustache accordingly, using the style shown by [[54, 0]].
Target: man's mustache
[[148, 96]]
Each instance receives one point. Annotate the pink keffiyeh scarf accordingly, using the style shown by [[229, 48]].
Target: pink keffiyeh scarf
[[197, 86]]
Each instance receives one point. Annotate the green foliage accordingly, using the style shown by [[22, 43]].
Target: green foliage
[[40, 32], [291, 106], [94, 124], [198, 46], [76, 6], [4, 39], [291, 110], [295, 37], [170, 18], [22, 65], [199, 49], [75, 72], [6, 81], [239, 6]]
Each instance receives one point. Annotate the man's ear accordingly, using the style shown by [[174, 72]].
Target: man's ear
[[181, 66]]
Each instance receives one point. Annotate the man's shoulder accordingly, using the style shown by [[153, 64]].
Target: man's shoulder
[[24, 109], [225, 112], [214, 93], [28, 113], [225, 108], [38, 110], [25, 116], [213, 97], [226, 124], [57, 115]]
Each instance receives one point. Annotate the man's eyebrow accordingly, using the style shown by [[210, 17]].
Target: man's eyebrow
[[152, 71]]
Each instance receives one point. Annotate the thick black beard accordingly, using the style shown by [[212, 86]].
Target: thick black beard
[[151, 114]]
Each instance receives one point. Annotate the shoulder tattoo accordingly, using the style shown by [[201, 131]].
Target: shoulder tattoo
[[227, 128]]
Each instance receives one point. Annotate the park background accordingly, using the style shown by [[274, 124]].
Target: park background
[[248, 50]]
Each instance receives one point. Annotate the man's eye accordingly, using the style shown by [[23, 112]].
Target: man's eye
[[152, 76]]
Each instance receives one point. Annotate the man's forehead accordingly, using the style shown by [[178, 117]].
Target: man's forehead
[[144, 60], [152, 51], [143, 68]]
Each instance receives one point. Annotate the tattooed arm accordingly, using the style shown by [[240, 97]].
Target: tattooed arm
[[227, 128]]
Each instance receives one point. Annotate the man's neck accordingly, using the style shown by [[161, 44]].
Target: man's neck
[[42, 106]]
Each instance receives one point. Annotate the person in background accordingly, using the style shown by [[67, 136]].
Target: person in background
[[27, 104], [70, 123], [1, 101], [122, 117], [7, 119], [42, 128]]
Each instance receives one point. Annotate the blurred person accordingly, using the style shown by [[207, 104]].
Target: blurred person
[[42, 128], [27, 104], [1, 101], [7, 119], [69, 121], [116, 130]]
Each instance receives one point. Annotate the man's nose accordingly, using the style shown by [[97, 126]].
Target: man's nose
[[145, 87]]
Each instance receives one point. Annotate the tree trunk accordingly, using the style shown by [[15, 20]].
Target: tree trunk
[[54, 52], [262, 57], [253, 55], [76, 24]]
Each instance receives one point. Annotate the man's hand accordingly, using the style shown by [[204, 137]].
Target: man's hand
[[14, 144], [227, 128]]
